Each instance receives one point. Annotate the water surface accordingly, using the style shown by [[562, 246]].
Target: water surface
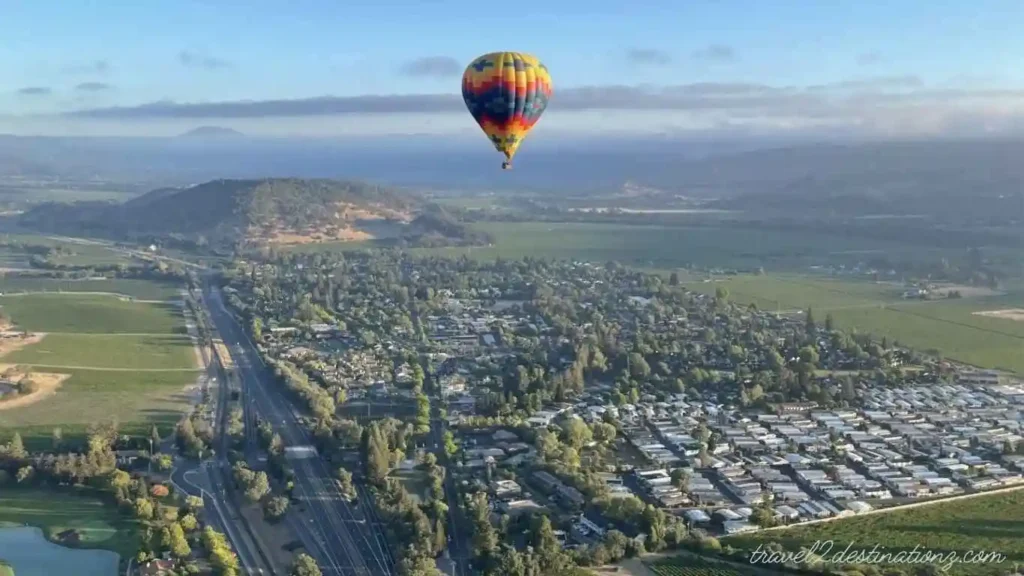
[[31, 554]]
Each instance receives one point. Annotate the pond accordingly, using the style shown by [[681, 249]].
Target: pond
[[31, 554]]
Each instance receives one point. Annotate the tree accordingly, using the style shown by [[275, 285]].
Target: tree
[[275, 507], [809, 324], [24, 474], [603, 432], [189, 522], [576, 432], [304, 565], [154, 438], [345, 485], [57, 438], [16, 448], [143, 508], [450, 447], [258, 487], [721, 295], [159, 491], [176, 541], [163, 462], [829, 322], [680, 479]]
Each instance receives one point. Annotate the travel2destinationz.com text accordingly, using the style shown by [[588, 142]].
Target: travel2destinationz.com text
[[828, 552]]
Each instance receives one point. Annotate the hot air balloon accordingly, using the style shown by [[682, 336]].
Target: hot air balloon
[[506, 92]]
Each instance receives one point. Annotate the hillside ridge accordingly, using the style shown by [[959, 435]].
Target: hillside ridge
[[267, 211]]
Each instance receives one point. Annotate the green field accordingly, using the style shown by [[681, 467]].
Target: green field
[[667, 246], [91, 314], [79, 254], [949, 327], [691, 565], [127, 361], [103, 351], [140, 289], [98, 524], [136, 400], [986, 523]]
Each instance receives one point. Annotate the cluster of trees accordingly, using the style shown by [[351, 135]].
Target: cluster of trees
[[676, 341], [193, 435], [223, 560], [319, 401], [383, 444], [165, 528], [254, 485]]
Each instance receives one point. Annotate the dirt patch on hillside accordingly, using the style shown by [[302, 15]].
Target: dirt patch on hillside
[[328, 235], [351, 213], [45, 384], [11, 341], [1015, 314], [350, 223]]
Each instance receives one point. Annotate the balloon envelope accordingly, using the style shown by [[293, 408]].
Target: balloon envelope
[[506, 92]]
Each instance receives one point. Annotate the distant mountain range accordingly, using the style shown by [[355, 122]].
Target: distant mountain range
[[704, 169], [212, 132]]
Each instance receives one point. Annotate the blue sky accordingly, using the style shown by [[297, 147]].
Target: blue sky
[[770, 64]]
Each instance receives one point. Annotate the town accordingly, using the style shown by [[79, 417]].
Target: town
[[628, 412]]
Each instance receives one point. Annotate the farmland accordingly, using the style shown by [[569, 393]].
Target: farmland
[[986, 523], [948, 327], [667, 246], [137, 400], [97, 524], [125, 360], [91, 314], [105, 351], [71, 253], [140, 289]]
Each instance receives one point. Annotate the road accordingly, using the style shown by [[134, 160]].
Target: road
[[459, 528], [333, 531]]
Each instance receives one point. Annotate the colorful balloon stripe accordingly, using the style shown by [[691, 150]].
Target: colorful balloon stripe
[[506, 93]]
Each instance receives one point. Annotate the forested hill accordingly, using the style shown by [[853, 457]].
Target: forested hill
[[269, 211]]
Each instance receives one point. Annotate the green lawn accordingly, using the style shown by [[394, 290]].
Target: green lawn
[[136, 400], [91, 314], [141, 289], [987, 523], [157, 352], [99, 524]]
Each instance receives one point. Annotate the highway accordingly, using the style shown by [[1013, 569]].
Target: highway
[[333, 531]]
